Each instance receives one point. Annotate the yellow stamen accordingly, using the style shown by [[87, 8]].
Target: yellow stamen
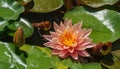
[[68, 39]]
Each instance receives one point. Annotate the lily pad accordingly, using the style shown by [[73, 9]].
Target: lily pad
[[36, 58], [10, 9], [104, 23], [10, 58], [99, 3], [46, 5]]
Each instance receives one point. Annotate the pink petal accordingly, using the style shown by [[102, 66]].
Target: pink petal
[[77, 26], [62, 26], [74, 55], [90, 45], [48, 37], [87, 32], [86, 42], [65, 21], [59, 47], [53, 34], [83, 53], [63, 53], [67, 29], [80, 47], [54, 45], [55, 52], [80, 34], [71, 49], [56, 27], [48, 44], [69, 23]]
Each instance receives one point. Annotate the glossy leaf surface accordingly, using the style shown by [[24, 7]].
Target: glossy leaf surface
[[9, 58], [10, 9]]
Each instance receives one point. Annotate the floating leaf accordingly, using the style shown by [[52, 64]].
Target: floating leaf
[[36, 58], [99, 3], [46, 5], [25, 24], [105, 23], [10, 9], [9, 58]]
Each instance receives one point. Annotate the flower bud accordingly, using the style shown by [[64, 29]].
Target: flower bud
[[19, 38]]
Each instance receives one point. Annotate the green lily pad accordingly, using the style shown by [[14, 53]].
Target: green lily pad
[[25, 24], [104, 23], [9, 59], [99, 3], [10, 9], [46, 5], [36, 58]]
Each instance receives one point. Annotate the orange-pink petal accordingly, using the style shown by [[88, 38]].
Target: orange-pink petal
[[74, 55], [83, 53]]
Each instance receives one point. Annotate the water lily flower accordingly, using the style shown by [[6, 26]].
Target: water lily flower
[[69, 40]]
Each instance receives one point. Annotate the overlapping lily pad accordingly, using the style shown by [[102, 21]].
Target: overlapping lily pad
[[9, 10]]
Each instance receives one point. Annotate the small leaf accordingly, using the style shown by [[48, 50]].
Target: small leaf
[[46, 5]]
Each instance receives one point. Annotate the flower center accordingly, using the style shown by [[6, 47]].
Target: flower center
[[67, 39]]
